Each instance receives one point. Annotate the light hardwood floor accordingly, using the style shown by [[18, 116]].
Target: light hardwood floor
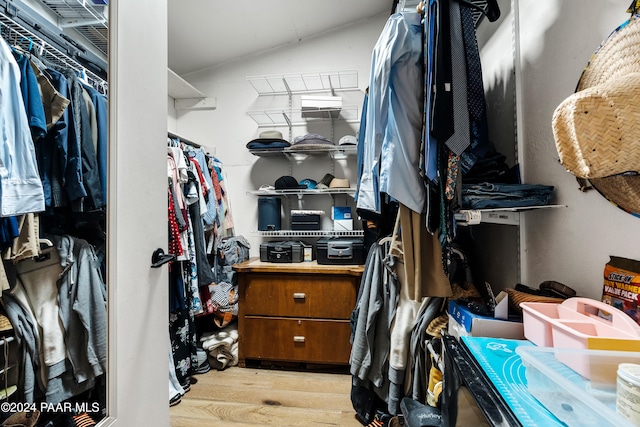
[[237, 397]]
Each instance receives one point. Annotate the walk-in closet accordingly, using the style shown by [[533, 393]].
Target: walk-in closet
[[296, 213]]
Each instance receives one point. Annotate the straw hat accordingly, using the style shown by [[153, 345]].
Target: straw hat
[[596, 128], [5, 324]]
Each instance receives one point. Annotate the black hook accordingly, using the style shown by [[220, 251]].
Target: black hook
[[159, 258]]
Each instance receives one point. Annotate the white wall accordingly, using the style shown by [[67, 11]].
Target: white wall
[[573, 244], [228, 128]]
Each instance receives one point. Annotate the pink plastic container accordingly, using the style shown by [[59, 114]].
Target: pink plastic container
[[578, 323]]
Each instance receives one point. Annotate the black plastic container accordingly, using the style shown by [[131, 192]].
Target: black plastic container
[[269, 218], [284, 252], [340, 250]]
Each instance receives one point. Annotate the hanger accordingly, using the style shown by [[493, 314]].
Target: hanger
[[492, 12], [45, 243]]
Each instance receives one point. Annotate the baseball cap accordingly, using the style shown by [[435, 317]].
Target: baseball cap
[[287, 182], [323, 184], [348, 140], [309, 183]]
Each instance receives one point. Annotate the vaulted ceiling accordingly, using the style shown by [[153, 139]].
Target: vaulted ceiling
[[205, 34]]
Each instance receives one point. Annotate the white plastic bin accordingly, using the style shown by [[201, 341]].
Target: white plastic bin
[[569, 396]]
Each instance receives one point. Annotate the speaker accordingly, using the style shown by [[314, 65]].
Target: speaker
[[269, 218]]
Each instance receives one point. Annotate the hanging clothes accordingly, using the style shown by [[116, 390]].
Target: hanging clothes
[[58, 309], [20, 186], [394, 118]]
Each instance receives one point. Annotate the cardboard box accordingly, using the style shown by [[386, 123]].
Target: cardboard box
[[462, 322], [622, 286], [342, 219], [341, 212]]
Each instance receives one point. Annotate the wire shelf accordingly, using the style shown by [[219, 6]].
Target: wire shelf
[[304, 82], [17, 35], [85, 18], [315, 233]]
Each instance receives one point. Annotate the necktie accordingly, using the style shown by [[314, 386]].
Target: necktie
[[442, 124], [460, 139], [475, 89]]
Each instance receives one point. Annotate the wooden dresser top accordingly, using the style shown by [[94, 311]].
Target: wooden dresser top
[[254, 265]]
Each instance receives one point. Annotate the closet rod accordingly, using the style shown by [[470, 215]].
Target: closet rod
[[184, 140], [35, 31], [16, 34], [6, 339]]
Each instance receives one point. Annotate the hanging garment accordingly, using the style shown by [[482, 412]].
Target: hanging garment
[[83, 133], [208, 209], [394, 118], [101, 107], [55, 104], [62, 151], [20, 185], [205, 272], [81, 300], [371, 321], [38, 277], [31, 97], [181, 329], [418, 266]]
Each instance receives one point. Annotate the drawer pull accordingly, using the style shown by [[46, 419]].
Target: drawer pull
[[299, 295], [298, 338]]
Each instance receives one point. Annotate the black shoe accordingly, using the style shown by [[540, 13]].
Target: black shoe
[[418, 415]]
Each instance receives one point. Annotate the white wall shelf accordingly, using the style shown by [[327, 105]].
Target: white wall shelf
[[186, 96], [287, 84], [337, 152], [506, 216], [298, 117]]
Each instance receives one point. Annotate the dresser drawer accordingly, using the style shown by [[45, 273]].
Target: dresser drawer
[[299, 295], [295, 340]]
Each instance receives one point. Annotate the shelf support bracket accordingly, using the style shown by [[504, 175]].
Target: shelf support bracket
[[194, 104]]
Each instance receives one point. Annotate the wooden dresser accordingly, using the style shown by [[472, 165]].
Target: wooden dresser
[[295, 312]]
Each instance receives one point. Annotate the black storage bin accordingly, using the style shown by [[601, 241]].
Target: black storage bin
[[305, 222], [340, 250], [285, 252], [269, 218]]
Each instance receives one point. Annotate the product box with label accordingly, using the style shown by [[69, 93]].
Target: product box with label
[[463, 322], [342, 220], [622, 285]]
